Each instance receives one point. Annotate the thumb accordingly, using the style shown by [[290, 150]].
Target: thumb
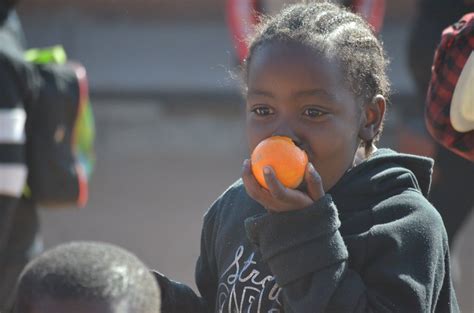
[[314, 183]]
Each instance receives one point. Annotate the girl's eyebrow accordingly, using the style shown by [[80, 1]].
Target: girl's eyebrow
[[314, 92], [258, 92], [299, 94]]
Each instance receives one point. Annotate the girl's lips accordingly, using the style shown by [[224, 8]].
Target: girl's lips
[[303, 147]]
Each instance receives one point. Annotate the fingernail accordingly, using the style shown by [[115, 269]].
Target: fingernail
[[312, 170], [266, 170]]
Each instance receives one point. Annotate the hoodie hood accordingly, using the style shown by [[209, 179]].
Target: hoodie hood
[[384, 174]]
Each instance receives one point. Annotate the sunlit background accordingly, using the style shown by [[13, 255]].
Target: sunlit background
[[170, 135]]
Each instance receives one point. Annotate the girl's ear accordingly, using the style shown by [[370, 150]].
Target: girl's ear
[[371, 118]]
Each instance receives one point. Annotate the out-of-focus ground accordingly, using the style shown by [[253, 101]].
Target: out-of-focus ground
[[170, 134]]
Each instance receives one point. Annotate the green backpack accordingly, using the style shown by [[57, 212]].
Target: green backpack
[[60, 131]]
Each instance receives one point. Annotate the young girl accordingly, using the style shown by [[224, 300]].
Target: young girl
[[359, 235]]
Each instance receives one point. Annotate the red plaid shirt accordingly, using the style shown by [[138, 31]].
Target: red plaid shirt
[[457, 43]]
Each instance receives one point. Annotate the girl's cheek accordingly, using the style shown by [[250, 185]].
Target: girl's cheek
[[256, 134], [258, 127], [253, 135]]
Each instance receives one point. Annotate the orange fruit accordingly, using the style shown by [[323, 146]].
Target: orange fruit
[[287, 160]]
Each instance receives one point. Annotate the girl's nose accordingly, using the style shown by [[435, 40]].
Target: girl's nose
[[287, 132]]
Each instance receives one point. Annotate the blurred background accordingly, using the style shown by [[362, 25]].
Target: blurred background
[[170, 135]]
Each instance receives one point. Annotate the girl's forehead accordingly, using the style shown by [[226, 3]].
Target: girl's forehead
[[299, 65]]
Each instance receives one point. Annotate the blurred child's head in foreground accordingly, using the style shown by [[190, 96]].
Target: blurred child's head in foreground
[[87, 277]]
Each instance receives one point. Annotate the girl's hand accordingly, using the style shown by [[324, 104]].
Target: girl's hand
[[279, 198]]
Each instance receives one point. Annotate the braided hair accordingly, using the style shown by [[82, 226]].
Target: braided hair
[[335, 33]]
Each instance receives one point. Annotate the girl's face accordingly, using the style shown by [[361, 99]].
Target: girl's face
[[292, 92]]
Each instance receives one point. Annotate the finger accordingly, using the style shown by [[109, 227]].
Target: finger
[[276, 188], [251, 185], [314, 183]]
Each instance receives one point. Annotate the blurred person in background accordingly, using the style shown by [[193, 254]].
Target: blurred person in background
[[46, 137], [449, 116], [449, 113], [15, 211], [449, 193]]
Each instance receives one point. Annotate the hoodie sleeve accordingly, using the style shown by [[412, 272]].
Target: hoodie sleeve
[[406, 264], [179, 298]]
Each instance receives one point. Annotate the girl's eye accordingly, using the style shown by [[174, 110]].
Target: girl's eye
[[313, 112], [262, 111]]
